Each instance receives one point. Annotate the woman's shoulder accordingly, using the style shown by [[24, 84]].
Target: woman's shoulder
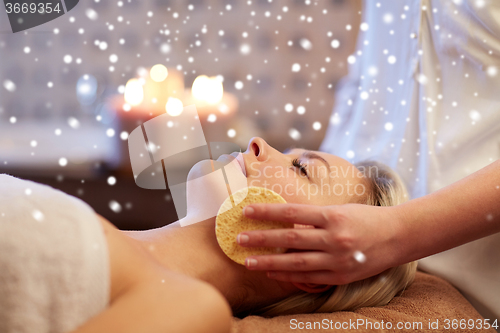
[[165, 298], [129, 265]]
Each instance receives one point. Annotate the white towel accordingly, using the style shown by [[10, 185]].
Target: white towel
[[54, 263]]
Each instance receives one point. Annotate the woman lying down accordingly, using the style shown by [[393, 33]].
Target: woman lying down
[[63, 268]]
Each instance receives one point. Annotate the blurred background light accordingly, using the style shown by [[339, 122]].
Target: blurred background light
[[158, 73], [134, 94], [86, 89], [174, 106]]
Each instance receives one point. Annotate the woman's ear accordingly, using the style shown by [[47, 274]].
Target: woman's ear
[[312, 287]]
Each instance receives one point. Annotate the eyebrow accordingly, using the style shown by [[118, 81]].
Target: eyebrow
[[310, 155]]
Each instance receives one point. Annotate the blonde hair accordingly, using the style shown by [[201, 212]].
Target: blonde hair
[[385, 189]]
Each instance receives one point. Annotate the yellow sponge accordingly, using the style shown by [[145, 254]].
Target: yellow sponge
[[230, 222]]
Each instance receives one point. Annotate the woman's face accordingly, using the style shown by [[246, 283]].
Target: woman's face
[[302, 176], [299, 176]]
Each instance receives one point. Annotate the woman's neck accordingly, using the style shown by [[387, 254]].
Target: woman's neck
[[193, 250]]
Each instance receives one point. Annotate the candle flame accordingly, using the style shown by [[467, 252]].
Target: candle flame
[[158, 73], [174, 106], [207, 89], [134, 94]]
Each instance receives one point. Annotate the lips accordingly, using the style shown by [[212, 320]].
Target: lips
[[241, 161]]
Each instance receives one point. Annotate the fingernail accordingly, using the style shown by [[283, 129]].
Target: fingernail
[[248, 211], [271, 274], [242, 239], [249, 262]]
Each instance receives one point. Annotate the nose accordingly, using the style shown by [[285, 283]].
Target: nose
[[259, 148]]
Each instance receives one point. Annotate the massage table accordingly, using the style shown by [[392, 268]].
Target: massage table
[[430, 304]]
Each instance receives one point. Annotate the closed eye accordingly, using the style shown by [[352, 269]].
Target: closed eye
[[302, 167]]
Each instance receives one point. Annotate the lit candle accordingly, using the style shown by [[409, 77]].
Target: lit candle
[[151, 92], [207, 93], [207, 89], [134, 94], [160, 90]]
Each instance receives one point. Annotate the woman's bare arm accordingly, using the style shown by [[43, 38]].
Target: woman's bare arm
[[168, 303], [146, 297], [457, 214]]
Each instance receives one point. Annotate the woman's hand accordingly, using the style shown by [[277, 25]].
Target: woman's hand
[[345, 243]]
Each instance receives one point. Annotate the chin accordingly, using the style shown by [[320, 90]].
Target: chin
[[200, 169], [211, 171], [207, 189]]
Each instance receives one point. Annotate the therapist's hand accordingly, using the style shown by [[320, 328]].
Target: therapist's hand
[[342, 244]]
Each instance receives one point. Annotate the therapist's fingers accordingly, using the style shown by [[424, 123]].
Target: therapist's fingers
[[319, 277], [303, 239], [295, 261], [292, 213]]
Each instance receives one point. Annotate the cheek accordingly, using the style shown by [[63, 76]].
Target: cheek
[[273, 178], [285, 182], [294, 190], [302, 191], [266, 174]]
